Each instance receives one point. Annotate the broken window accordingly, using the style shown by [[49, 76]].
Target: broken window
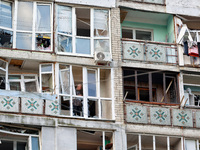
[[3, 74], [6, 34], [47, 78], [33, 33], [25, 82], [149, 86], [76, 29], [18, 139], [191, 90], [152, 142], [85, 92], [94, 140]]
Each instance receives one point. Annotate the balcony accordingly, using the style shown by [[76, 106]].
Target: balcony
[[148, 51]]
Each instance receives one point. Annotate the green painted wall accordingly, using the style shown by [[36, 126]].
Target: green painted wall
[[161, 33], [170, 29]]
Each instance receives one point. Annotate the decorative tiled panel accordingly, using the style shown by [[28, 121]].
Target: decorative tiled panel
[[136, 114], [198, 119], [52, 107], [182, 118], [156, 53], [160, 116], [10, 104], [32, 106], [133, 51]]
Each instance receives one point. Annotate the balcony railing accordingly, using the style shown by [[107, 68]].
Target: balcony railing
[[166, 116], [149, 51], [162, 2]]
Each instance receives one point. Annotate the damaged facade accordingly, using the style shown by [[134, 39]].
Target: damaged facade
[[103, 75]]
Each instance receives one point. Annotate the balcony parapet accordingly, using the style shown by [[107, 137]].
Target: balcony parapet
[[30, 103], [149, 51], [166, 116]]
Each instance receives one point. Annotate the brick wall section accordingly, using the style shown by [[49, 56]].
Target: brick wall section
[[116, 55]]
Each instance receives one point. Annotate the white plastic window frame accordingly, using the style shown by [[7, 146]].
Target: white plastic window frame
[[15, 140], [197, 32], [85, 91], [196, 143], [154, 141], [47, 72], [33, 32], [22, 81], [6, 73], [74, 36], [139, 29], [5, 28]]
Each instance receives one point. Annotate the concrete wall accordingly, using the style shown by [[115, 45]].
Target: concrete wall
[[181, 7], [101, 3], [159, 31]]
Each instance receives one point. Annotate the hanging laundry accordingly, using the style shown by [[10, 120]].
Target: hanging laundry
[[193, 51]]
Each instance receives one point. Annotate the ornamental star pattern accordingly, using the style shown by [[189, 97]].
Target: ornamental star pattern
[[133, 51]]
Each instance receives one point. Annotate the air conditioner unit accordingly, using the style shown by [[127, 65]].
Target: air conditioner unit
[[102, 57]]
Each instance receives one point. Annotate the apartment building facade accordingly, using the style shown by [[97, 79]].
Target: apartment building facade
[[160, 79], [99, 75]]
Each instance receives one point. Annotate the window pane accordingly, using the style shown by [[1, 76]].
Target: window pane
[[83, 22], [43, 22], [147, 142], [82, 46], [24, 41], [77, 88], [6, 145], [15, 86], [14, 77], [6, 14], [65, 81], [2, 80], [106, 109], [101, 45], [47, 83], [29, 77], [21, 145], [30, 86], [93, 109], [6, 38], [65, 105], [92, 83], [132, 142], [143, 35], [89, 140], [127, 33], [46, 68], [2, 64], [129, 84], [43, 41], [161, 142], [35, 143], [64, 19], [101, 23], [64, 43], [105, 83], [77, 106], [25, 16]]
